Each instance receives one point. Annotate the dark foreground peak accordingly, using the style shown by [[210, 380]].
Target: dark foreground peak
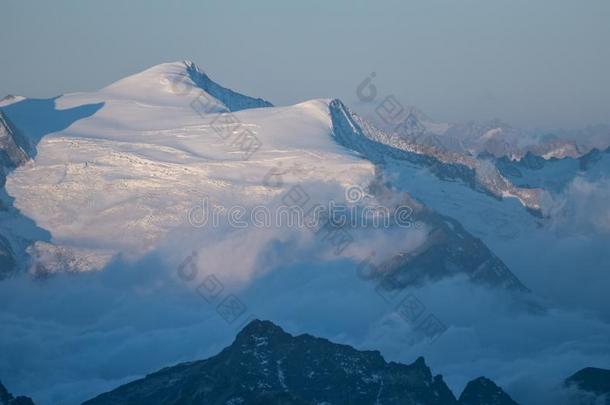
[[267, 365], [483, 391]]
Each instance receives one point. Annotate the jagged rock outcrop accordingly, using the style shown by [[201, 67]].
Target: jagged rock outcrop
[[355, 133], [448, 250], [13, 147], [232, 100], [14, 150]]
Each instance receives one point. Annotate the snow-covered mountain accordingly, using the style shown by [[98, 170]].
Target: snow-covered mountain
[[115, 172]]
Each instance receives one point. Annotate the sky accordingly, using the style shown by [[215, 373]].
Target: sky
[[540, 63]]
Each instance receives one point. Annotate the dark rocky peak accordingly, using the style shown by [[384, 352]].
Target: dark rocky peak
[[592, 381], [483, 391], [260, 329], [6, 398], [267, 365]]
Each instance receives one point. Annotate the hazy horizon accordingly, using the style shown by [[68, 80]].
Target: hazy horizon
[[542, 64]]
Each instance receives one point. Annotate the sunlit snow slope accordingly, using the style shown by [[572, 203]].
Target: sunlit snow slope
[[115, 169]]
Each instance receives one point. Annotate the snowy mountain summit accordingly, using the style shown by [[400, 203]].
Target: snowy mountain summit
[[114, 171], [157, 84]]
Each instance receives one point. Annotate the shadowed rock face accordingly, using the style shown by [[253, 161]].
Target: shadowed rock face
[[449, 249], [13, 152], [232, 100], [593, 384], [357, 134], [13, 146], [269, 366], [483, 391], [7, 399], [23, 123]]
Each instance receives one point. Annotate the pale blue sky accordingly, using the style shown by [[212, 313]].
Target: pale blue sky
[[529, 62]]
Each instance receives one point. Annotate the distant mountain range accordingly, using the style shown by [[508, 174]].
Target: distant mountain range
[[492, 138]]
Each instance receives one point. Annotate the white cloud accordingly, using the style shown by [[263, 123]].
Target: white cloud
[[583, 207], [70, 337]]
